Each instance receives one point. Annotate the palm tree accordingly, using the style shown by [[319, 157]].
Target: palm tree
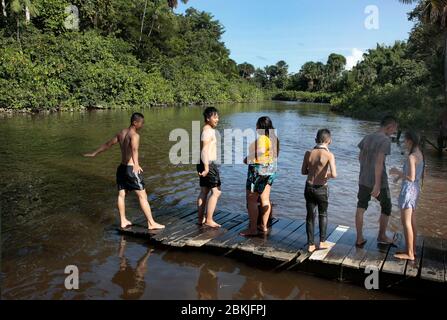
[[174, 3], [17, 7], [435, 12]]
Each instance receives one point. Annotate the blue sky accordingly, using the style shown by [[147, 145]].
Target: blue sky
[[263, 32]]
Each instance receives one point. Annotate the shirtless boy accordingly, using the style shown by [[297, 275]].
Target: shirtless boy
[[319, 166], [129, 173], [208, 170]]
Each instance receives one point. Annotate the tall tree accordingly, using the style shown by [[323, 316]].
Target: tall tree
[[246, 70], [434, 12], [22, 8]]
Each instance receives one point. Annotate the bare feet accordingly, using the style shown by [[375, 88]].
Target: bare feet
[[212, 224], [263, 229], [249, 233], [404, 256], [125, 224], [155, 226], [311, 248], [324, 245]]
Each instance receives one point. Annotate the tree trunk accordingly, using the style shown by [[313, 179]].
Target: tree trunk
[[27, 15], [445, 68], [142, 22], [4, 8]]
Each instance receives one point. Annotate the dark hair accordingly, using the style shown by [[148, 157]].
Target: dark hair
[[416, 140], [209, 112], [323, 135], [387, 120], [136, 116], [266, 124]]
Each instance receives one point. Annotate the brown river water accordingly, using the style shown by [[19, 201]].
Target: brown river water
[[58, 208]]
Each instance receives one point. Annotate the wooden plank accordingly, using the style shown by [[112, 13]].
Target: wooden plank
[[274, 240], [341, 248], [319, 255], [284, 244], [240, 240], [224, 222], [303, 253], [221, 240], [253, 243], [433, 260], [165, 215], [191, 227], [413, 267], [356, 255], [209, 235], [376, 255], [282, 251], [176, 227], [393, 265], [180, 238]]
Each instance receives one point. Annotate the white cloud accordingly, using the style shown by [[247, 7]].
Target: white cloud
[[354, 58]]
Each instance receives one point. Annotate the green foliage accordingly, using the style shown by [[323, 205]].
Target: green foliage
[[303, 96], [389, 81], [118, 59]]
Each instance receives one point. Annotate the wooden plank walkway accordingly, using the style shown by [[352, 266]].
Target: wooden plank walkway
[[285, 245]]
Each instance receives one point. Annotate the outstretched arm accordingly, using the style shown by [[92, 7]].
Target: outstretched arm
[[103, 147]]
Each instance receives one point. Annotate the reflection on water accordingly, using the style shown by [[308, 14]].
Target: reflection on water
[[57, 207]]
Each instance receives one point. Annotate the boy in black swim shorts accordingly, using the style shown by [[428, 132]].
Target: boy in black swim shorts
[[208, 171]]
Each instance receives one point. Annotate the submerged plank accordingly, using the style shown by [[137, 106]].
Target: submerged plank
[[178, 240], [274, 240], [433, 260], [206, 237], [189, 228], [255, 242]]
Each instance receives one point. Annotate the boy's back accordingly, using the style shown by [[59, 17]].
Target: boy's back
[[316, 165]]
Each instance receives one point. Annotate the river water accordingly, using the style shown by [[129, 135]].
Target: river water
[[58, 208]]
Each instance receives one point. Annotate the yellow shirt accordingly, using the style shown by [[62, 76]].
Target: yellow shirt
[[263, 143]]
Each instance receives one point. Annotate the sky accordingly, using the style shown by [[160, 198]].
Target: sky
[[262, 32]]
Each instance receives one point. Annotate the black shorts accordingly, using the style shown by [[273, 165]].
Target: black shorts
[[212, 179], [364, 196], [127, 180]]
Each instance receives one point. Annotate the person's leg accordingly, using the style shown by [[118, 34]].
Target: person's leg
[[122, 209], [385, 205], [363, 197], [252, 204], [201, 204], [211, 207], [406, 216], [323, 203], [266, 207], [415, 234], [310, 218], [144, 204]]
